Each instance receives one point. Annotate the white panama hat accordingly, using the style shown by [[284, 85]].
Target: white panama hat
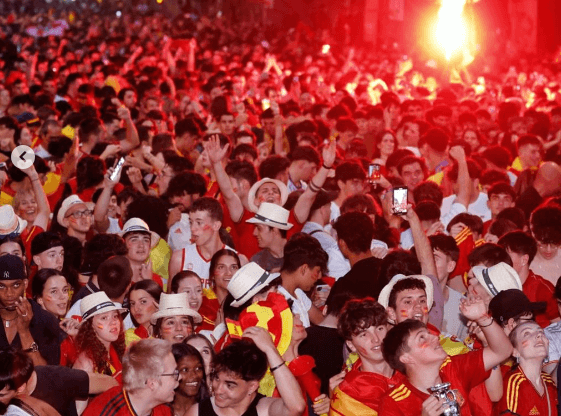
[[137, 225], [248, 281], [272, 215], [253, 192], [10, 223], [497, 278], [175, 304], [68, 203], [97, 303], [384, 297]]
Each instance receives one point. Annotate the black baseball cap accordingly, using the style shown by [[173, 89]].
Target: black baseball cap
[[12, 268], [510, 303]]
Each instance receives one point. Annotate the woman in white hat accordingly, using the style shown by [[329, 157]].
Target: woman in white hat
[[175, 320], [100, 341]]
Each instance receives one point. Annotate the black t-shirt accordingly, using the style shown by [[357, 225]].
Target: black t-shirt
[[326, 346], [45, 331], [60, 387], [362, 280]]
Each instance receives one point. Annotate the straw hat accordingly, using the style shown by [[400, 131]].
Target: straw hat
[[97, 303], [384, 297], [10, 222], [272, 215], [248, 281], [497, 278], [69, 202], [136, 225], [175, 304], [253, 191]]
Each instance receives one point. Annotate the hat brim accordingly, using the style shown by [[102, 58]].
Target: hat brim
[[273, 224], [154, 237], [478, 273], [182, 311], [384, 297], [254, 291], [253, 192], [107, 309]]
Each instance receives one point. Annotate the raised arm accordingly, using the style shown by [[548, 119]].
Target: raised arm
[[131, 141], [216, 155], [421, 242], [305, 201], [464, 188], [101, 220], [292, 401], [43, 208], [499, 347]]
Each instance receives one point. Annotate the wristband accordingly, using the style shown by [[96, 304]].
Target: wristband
[[327, 167], [489, 324], [277, 367], [313, 187]]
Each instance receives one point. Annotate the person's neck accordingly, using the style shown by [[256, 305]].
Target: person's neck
[[354, 258], [340, 198], [424, 377], [142, 402], [87, 147], [289, 283], [182, 403], [330, 321], [378, 367], [532, 370], [221, 294], [277, 247], [291, 352], [214, 244], [524, 273], [107, 346], [445, 289], [8, 315], [136, 267], [148, 326], [77, 234], [317, 218], [239, 408], [474, 196], [294, 175]]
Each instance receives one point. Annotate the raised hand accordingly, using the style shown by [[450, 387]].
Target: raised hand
[[215, 153]]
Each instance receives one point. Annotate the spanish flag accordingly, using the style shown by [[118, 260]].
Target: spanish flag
[[344, 405]]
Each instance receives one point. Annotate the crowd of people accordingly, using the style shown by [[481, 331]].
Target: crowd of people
[[227, 218]]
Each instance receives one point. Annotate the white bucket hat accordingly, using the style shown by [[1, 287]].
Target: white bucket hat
[[384, 297], [253, 192], [10, 223], [272, 215], [175, 304], [497, 278], [139, 226], [248, 281], [69, 202], [97, 303]]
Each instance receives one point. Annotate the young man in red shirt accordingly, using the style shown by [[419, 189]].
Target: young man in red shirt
[[363, 325], [410, 348]]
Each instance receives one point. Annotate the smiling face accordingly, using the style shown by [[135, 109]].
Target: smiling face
[[387, 145], [27, 207], [142, 306], [176, 328], [52, 258], [368, 343], [530, 341], [138, 246], [193, 287], [203, 227], [229, 389], [226, 267], [107, 326], [55, 296], [191, 373], [78, 218], [410, 304]]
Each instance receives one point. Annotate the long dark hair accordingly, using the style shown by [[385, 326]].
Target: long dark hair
[[150, 287], [185, 350]]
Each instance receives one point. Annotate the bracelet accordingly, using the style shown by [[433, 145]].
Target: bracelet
[[277, 367], [313, 187], [327, 167], [489, 324]]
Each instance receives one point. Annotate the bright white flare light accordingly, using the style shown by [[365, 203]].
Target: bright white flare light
[[451, 32]]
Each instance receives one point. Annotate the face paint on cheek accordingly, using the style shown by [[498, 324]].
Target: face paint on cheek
[[99, 326], [206, 227], [404, 313], [425, 309], [424, 345], [525, 343], [362, 350]]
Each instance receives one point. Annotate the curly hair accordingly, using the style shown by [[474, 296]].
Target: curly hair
[[87, 342]]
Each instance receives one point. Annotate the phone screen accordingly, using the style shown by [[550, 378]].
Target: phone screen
[[117, 168], [374, 171], [399, 201]]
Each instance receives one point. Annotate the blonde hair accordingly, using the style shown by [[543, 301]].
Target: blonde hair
[[22, 193], [144, 360]]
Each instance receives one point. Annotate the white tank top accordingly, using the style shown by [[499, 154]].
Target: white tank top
[[193, 260]]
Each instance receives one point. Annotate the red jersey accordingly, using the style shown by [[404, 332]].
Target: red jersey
[[540, 290], [27, 237], [116, 402], [521, 398], [463, 372], [361, 392]]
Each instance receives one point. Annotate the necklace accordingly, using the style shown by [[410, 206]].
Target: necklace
[[7, 324]]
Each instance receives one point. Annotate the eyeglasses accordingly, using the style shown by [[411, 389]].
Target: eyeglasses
[[547, 246], [175, 374], [80, 214]]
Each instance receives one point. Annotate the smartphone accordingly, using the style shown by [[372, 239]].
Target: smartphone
[[322, 288], [265, 103], [118, 168], [3, 167], [399, 200], [325, 49], [374, 171]]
